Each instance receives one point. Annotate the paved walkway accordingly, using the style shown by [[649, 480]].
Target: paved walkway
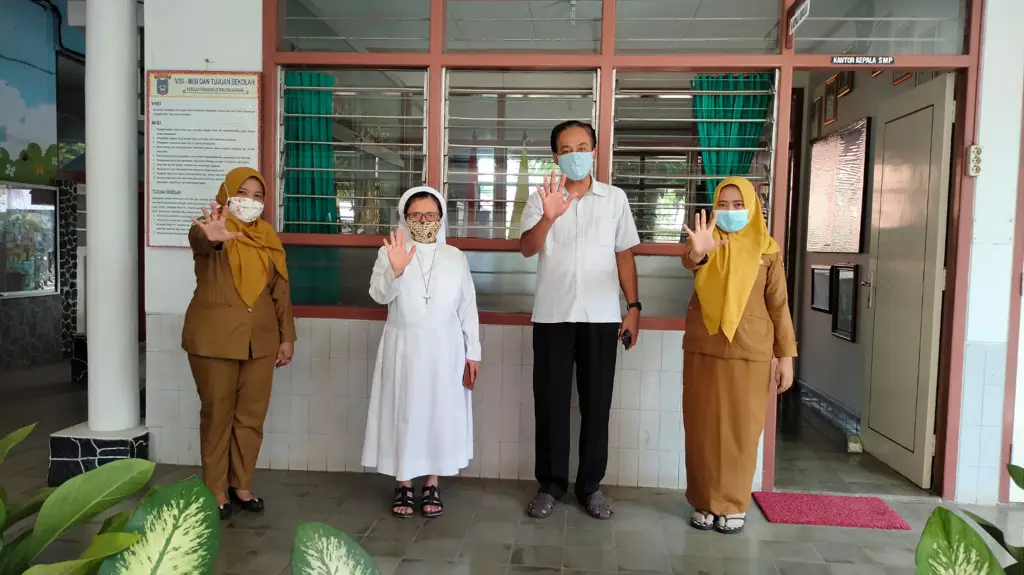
[[484, 530]]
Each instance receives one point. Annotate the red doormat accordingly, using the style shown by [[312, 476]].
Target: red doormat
[[830, 510]]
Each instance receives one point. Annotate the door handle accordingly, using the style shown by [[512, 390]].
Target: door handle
[[869, 285]]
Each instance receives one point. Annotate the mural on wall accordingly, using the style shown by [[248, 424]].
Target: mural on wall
[[28, 95]]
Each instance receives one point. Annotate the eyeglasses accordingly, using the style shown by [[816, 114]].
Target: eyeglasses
[[423, 216]]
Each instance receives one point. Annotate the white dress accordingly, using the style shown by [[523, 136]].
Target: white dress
[[420, 419]]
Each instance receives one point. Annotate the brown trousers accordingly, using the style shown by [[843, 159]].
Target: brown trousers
[[235, 396], [724, 402]]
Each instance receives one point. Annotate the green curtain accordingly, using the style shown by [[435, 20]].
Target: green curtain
[[309, 194], [718, 104]]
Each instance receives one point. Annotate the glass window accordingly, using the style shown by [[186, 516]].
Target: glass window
[[28, 222], [356, 26], [498, 142], [883, 27], [677, 135], [523, 26], [354, 141], [697, 26]]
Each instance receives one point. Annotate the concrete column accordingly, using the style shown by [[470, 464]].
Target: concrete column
[[112, 263]]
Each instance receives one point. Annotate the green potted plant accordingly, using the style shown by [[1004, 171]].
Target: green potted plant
[[952, 545], [173, 530]]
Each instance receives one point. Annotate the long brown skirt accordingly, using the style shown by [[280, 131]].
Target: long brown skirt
[[724, 403]]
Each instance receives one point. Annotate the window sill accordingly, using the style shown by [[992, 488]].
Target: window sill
[[486, 317]]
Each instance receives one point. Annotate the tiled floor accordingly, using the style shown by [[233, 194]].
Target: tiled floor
[[811, 456], [484, 530]]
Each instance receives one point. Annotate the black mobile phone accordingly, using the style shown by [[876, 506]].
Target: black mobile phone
[[627, 338]]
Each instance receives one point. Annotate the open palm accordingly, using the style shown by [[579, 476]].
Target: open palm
[[397, 254], [214, 225], [553, 197], [702, 237]]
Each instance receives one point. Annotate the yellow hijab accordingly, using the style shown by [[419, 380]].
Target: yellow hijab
[[249, 254], [723, 284]]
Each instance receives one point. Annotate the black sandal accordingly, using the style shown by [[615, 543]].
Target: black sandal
[[404, 498], [723, 526], [431, 498]]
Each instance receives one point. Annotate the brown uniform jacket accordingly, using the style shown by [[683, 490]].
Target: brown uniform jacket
[[219, 324], [766, 328]]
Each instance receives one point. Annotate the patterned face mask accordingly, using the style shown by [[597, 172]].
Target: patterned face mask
[[424, 232], [247, 210]]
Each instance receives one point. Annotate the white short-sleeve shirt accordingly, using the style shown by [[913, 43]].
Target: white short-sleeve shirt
[[577, 275]]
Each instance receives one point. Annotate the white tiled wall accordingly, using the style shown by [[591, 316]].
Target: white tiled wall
[[318, 407]]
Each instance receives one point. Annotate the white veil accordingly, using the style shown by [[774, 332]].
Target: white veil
[[405, 199]]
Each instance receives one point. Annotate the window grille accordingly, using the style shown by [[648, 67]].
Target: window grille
[[494, 121], [677, 135], [353, 142]]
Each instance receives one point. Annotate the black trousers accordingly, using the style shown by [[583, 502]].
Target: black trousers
[[556, 347]]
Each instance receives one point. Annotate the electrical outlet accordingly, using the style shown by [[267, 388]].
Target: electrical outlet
[[973, 161]]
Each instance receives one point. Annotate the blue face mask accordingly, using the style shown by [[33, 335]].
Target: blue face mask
[[731, 221], [576, 165]]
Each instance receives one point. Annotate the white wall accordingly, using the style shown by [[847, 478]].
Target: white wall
[[318, 407], [832, 366], [990, 286], [227, 37]]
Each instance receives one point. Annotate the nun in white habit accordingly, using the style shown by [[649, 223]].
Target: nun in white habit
[[420, 421]]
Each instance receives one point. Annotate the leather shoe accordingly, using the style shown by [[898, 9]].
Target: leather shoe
[[254, 505]]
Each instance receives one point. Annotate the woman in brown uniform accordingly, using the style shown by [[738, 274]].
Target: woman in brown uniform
[[738, 320], [238, 328]]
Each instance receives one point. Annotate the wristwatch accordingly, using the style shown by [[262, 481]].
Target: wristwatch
[[636, 304]]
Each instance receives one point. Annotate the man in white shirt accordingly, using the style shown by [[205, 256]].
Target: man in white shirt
[[584, 233]]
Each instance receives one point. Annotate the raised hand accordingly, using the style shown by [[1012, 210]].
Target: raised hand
[[552, 196], [214, 225], [396, 252], [702, 240]]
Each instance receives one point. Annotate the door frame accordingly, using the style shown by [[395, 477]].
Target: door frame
[[1013, 336], [935, 247], [952, 331]]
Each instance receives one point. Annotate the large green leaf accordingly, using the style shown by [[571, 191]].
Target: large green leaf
[[1016, 474], [102, 546], [13, 438], [949, 545], [997, 534], [82, 497], [320, 549], [115, 522], [3, 521], [16, 513], [180, 528], [11, 553]]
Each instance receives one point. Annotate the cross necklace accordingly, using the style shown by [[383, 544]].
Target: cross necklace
[[426, 277]]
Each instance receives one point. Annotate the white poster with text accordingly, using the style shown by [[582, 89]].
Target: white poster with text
[[200, 125]]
